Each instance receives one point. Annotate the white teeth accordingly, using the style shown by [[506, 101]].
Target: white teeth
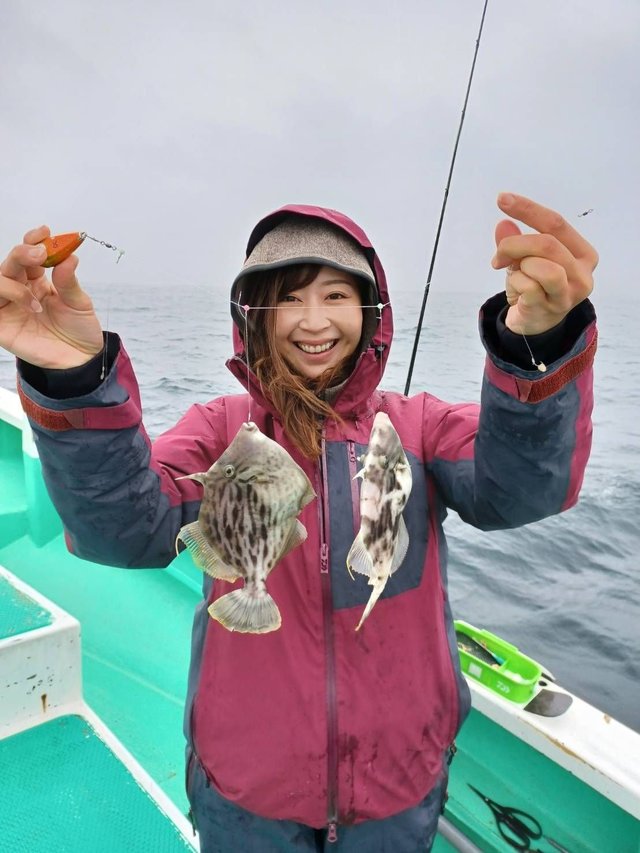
[[311, 349]]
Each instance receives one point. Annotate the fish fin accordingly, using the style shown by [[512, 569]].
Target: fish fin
[[199, 478], [359, 558], [376, 592], [402, 546], [243, 611], [297, 536], [204, 556], [309, 494]]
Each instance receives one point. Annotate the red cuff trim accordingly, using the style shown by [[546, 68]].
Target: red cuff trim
[[124, 415], [50, 418], [533, 391]]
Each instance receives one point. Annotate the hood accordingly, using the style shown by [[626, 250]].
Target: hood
[[356, 391]]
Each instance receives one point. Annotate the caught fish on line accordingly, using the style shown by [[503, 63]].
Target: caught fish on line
[[247, 522], [382, 541]]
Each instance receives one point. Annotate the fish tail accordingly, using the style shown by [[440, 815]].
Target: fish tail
[[376, 592], [244, 611]]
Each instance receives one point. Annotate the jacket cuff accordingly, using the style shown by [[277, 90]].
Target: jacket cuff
[[546, 347], [75, 381], [576, 338], [113, 404]]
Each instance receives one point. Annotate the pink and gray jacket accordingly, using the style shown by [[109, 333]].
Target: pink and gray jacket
[[314, 722]]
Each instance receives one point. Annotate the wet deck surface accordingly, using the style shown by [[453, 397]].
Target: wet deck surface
[[63, 789], [136, 642], [19, 613]]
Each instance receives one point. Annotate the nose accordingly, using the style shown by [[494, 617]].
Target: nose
[[313, 318]]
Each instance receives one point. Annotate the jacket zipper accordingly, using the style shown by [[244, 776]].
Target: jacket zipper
[[355, 493], [330, 663]]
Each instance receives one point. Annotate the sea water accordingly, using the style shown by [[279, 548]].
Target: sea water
[[564, 590]]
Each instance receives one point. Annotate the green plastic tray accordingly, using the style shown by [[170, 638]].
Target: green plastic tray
[[497, 664]]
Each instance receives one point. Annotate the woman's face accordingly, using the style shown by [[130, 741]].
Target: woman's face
[[319, 325]]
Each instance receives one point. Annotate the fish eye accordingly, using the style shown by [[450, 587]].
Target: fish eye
[[229, 471]]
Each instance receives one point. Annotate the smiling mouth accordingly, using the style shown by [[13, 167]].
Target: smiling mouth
[[313, 350]]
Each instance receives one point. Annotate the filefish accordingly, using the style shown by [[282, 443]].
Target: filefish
[[247, 522], [382, 541]]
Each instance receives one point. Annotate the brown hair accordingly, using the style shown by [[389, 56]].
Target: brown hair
[[298, 400]]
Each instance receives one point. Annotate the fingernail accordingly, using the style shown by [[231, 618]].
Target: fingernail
[[36, 307], [506, 199], [36, 253]]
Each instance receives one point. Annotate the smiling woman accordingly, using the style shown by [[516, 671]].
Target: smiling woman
[[318, 326], [313, 287], [305, 343]]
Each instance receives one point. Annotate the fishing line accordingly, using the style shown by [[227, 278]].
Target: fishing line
[[540, 365], [379, 348], [84, 235], [103, 371], [442, 211], [379, 306], [120, 252], [244, 309]]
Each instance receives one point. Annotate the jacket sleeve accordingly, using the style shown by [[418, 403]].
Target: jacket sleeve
[[117, 494], [520, 455]]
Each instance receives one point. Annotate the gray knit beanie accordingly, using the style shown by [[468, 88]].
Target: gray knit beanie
[[305, 240], [302, 240]]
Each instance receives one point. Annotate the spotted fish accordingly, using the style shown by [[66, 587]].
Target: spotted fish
[[382, 541], [247, 523]]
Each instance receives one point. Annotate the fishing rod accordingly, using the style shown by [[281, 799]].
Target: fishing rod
[[444, 206]]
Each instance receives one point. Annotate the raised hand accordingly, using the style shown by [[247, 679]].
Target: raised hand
[[47, 323], [548, 272]]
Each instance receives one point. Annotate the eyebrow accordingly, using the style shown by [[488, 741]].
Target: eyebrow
[[339, 281]]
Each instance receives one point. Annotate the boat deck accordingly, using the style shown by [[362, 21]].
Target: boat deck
[[136, 629], [67, 783], [64, 789], [508, 771]]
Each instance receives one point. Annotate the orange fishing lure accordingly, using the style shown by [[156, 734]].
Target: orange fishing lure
[[62, 245]]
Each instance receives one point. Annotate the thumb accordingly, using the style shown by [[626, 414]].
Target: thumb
[[68, 286], [506, 228]]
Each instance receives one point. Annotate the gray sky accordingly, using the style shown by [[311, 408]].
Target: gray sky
[[168, 128]]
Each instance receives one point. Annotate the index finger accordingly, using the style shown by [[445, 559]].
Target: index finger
[[23, 262], [18, 262], [37, 235], [547, 221]]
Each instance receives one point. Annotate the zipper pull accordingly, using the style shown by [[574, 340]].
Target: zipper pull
[[332, 833], [324, 559]]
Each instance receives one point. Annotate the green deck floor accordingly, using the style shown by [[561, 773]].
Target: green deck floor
[[506, 770], [136, 639], [19, 613], [63, 791], [13, 500]]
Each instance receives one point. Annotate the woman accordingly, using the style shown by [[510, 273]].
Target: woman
[[316, 733]]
